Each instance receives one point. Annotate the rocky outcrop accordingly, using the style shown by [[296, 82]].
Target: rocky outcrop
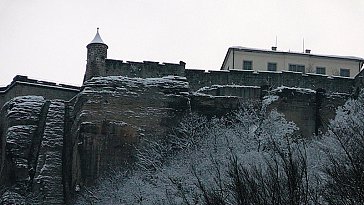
[[113, 114], [48, 174], [28, 129], [51, 149], [19, 127], [298, 105], [310, 110]]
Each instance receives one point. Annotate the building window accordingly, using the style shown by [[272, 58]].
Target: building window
[[272, 67], [321, 70], [296, 68], [344, 72], [247, 65]]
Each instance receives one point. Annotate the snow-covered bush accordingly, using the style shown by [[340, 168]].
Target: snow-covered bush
[[344, 148]]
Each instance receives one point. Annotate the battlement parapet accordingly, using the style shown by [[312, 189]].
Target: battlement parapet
[[145, 69], [25, 79], [199, 78], [22, 85]]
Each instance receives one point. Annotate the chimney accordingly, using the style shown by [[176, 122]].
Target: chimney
[[308, 51], [274, 48]]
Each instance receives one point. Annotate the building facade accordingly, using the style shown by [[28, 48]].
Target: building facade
[[241, 58]]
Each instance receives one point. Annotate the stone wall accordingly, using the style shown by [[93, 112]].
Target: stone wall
[[199, 78], [145, 69], [23, 86], [359, 82], [96, 55], [241, 91]]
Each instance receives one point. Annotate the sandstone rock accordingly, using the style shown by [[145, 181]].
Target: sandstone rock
[[48, 176], [54, 148], [10, 197], [298, 105], [112, 114], [21, 122], [32, 139]]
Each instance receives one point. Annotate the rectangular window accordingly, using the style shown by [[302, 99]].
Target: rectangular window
[[247, 65], [296, 68], [292, 67], [272, 67], [321, 70], [344, 72]]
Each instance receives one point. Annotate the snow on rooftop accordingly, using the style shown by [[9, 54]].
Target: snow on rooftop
[[166, 80], [296, 53], [97, 38]]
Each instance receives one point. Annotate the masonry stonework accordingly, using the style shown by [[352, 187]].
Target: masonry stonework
[[96, 56]]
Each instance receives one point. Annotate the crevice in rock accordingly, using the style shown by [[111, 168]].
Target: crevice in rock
[[67, 154], [320, 94], [36, 142], [48, 173]]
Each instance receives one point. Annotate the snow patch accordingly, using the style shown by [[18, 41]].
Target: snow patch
[[300, 90]]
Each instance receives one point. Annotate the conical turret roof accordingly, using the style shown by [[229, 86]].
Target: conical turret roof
[[97, 38]]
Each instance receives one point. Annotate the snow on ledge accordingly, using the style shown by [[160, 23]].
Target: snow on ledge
[[208, 88], [300, 90], [147, 82]]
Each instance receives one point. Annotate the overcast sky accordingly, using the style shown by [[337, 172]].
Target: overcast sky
[[46, 39]]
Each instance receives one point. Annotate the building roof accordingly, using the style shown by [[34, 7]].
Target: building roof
[[255, 50], [97, 38]]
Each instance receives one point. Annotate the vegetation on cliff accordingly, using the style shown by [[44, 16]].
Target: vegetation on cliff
[[250, 157]]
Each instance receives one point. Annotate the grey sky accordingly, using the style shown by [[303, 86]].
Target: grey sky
[[46, 39]]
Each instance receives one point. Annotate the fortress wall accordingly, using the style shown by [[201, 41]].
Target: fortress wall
[[243, 92], [145, 69], [359, 81], [22, 86], [198, 79]]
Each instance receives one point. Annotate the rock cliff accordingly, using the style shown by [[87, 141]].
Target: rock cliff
[[112, 114], [49, 149], [31, 150]]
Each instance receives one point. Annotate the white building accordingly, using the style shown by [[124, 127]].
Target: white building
[[241, 58]]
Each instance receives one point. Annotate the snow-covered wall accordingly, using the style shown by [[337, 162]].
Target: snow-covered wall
[[199, 78], [22, 86], [145, 69]]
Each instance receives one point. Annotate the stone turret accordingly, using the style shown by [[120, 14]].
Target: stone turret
[[96, 55]]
